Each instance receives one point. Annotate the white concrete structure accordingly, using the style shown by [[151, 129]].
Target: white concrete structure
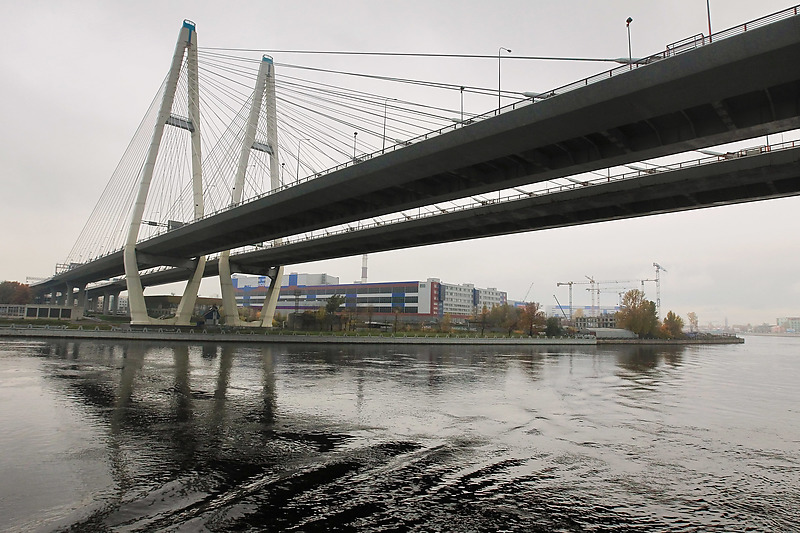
[[186, 45], [264, 90]]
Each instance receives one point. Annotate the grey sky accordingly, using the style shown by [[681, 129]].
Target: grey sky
[[78, 76]]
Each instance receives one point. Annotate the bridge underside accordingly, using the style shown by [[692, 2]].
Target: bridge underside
[[766, 176], [746, 179], [736, 88]]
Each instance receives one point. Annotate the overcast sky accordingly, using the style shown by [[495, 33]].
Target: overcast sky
[[78, 77]]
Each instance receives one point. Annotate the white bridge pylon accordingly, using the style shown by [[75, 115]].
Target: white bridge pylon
[[185, 60], [263, 97], [186, 46]]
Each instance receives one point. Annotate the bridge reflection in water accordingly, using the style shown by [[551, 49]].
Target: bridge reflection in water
[[410, 438]]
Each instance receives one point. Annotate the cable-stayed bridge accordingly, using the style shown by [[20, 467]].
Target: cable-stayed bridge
[[543, 148]]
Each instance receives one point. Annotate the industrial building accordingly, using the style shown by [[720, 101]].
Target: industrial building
[[429, 299]]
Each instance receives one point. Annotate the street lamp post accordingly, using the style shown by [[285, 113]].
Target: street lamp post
[[708, 11], [630, 54], [462, 105], [297, 172], [355, 135], [498, 74]]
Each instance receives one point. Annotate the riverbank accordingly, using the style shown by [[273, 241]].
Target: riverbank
[[205, 335], [260, 336]]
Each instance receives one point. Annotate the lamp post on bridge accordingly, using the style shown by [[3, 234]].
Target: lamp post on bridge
[[708, 12], [462, 105], [630, 53], [498, 74], [355, 135], [297, 172]]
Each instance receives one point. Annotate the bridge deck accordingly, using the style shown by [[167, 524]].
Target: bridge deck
[[736, 88], [771, 174]]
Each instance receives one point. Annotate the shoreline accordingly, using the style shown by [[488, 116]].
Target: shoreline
[[191, 335]]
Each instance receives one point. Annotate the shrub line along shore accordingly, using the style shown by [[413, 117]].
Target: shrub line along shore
[[253, 336]]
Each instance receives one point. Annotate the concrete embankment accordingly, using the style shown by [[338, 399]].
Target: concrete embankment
[[203, 335], [722, 339], [199, 335]]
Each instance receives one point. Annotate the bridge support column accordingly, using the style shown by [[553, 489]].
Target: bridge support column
[[265, 87], [113, 306], [271, 299], [230, 310], [186, 308], [81, 301], [106, 302], [69, 301]]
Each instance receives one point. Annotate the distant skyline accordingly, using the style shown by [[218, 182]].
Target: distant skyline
[[80, 75]]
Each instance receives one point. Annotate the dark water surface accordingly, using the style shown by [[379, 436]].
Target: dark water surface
[[117, 436]]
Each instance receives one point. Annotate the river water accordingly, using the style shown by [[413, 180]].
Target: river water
[[126, 436]]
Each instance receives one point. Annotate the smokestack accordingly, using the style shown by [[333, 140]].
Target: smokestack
[[364, 268]]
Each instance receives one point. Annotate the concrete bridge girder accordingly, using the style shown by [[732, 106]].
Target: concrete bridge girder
[[662, 108]]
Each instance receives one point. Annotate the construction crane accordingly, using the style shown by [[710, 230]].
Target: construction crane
[[571, 283], [592, 288], [595, 288], [659, 268], [525, 299], [561, 308]]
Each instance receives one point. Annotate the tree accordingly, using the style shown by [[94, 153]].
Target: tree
[[321, 317], [334, 302], [553, 328], [504, 316], [331, 308], [396, 310], [672, 328], [484, 316], [638, 314], [14, 292], [692, 322], [531, 316], [445, 324]]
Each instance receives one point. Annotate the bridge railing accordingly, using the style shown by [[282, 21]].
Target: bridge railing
[[364, 225], [757, 23], [671, 50]]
